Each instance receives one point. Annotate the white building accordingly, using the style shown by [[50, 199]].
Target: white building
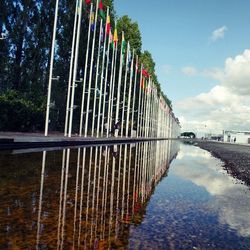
[[236, 136]]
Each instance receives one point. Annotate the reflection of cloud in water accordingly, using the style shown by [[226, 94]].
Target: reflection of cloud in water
[[194, 153], [231, 199]]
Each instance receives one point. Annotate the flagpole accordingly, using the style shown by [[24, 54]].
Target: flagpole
[[111, 88], [51, 69], [144, 111], [134, 97], [105, 87], [70, 72], [129, 92], [112, 81], [142, 108], [119, 88], [85, 71], [102, 90], [75, 68], [124, 90], [91, 73], [96, 80], [139, 105]]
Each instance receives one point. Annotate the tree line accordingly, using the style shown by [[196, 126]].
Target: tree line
[[25, 46]]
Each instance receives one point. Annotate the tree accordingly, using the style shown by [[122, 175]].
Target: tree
[[131, 32]]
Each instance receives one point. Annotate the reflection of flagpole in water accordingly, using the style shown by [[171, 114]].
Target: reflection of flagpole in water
[[65, 195], [93, 194], [88, 198], [60, 203], [129, 173], [124, 180], [112, 195], [105, 188], [40, 201], [98, 189], [81, 198], [118, 189], [76, 192], [135, 180]]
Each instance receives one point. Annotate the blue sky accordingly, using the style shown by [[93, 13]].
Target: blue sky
[[178, 33]]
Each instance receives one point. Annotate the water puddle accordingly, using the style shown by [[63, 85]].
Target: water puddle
[[197, 206], [139, 196]]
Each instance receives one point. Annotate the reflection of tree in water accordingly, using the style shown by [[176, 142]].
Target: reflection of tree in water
[[90, 201]]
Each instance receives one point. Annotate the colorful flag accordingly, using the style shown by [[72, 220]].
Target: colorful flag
[[88, 1], [115, 38], [142, 82], [111, 38], [123, 44], [92, 21], [145, 73], [108, 24], [101, 11]]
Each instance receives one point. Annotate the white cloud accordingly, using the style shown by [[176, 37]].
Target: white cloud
[[219, 33], [225, 106], [189, 70]]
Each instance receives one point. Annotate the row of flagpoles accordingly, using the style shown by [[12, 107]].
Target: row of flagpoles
[[113, 84]]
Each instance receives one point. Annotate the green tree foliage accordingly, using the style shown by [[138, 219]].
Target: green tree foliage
[[148, 63], [131, 32], [189, 134], [17, 111]]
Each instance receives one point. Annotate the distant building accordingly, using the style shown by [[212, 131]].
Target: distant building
[[237, 136]]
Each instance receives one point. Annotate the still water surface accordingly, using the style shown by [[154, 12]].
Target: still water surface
[[152, 195]]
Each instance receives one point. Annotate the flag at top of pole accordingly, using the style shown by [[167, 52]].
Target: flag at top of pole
[[101, 11], [108, 27], [145, 73], [123, 44], [115, 37]]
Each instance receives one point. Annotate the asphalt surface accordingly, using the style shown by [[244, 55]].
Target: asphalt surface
[[236, 158]]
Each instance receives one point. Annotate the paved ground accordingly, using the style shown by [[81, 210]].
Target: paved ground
[[235, 156], [11, 141]]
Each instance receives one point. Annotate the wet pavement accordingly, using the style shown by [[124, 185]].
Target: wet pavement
[[150, 195]]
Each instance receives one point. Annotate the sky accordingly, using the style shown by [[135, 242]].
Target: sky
[[202, 53]]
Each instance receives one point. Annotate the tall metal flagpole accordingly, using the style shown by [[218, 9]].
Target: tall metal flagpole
[[125, 88], [139, 105], [91, 73], [111, 88], [119, 87], [75, 67], [134, 97], [85, 71], [105, 85], [112, 80], [51, 69], [102, 90], [96, 80], [129, 92], [70, 71]]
